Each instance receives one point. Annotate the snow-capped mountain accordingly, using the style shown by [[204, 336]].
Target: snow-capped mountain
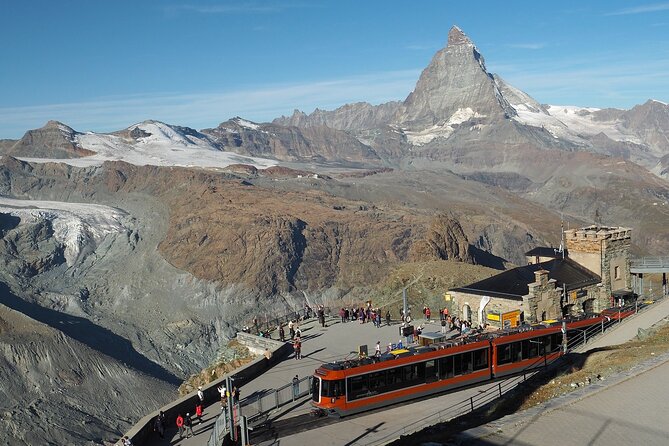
[[146, 143], [456, 107]]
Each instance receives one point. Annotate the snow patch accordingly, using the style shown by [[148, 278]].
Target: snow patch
[[79, 227], [422, 137], [166, 146], [581, 120], [247, 124]]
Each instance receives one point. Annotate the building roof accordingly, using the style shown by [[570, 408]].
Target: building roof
[[513, 283], [545, 251]]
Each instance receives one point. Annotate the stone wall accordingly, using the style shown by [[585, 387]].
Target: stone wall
[[601, 250], [496, 305], [543, 299]]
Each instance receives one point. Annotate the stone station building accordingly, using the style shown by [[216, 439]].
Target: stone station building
[[594, 266]]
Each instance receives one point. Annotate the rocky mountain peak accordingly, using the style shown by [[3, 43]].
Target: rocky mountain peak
[[457, 37], [455, 82]]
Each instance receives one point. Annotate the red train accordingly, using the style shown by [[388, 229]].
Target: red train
[[347, 387]]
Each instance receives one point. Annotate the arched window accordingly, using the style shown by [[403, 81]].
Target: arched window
[[467, 313]]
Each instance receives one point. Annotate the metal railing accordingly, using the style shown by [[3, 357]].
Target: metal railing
[[273, 399], [650, 262], [266, 324], [258, 404], [220, 431]]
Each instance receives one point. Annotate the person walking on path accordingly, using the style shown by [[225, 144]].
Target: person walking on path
[[388, 318], [282, 333], [188, 424], [159, 424], [180, 425], [200, 394], [296, 387], [377, 351], [198, 413], [297, 346]]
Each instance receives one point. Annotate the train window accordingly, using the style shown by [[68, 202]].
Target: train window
[[481, 359], [431, 371], [516, 352], [546, 341], [420, 372], [411, 375], [333, 388], [394, 379], [377, 382], [446, 367], [467, 363], [530, 349], [503, 354], [457, 365], [357, 387]]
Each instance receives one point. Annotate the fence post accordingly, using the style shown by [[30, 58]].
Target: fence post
[[259, 403], [471, 401], [499, 386], [585, 338], [602, 325], [276, 398]]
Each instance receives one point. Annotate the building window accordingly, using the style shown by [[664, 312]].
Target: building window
[[616, 272]]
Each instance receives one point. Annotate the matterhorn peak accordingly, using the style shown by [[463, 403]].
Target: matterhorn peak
[[454, 84], [457, 37]]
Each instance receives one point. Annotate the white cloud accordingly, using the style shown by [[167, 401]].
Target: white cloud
[[208, 109], [642, 9]]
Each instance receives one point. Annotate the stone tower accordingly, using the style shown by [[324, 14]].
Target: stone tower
[[604, 251]]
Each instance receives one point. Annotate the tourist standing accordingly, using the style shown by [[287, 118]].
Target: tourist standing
[[296, 387], [180, 425]]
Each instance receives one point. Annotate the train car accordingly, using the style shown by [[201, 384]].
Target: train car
[[529, 348], [348, 387], [345, 388]]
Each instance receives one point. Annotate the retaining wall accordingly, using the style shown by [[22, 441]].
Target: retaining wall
[[141, 431]]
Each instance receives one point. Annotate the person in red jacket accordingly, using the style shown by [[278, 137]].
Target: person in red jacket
[[198, 412], [180, 425]]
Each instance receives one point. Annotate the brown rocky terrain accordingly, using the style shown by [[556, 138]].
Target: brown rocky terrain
[[54, 140]]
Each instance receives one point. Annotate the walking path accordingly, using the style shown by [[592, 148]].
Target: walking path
[[622, 411]]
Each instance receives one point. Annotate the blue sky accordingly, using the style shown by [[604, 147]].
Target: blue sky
[[104, 65]]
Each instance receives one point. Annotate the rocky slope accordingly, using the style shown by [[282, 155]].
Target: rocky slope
[[54, 140], [56, 390]]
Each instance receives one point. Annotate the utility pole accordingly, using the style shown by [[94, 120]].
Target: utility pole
[[404, 299]]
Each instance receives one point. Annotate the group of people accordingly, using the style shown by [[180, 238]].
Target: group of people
[[364, 315]]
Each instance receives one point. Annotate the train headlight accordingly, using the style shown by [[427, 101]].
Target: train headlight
[[333, 399]]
